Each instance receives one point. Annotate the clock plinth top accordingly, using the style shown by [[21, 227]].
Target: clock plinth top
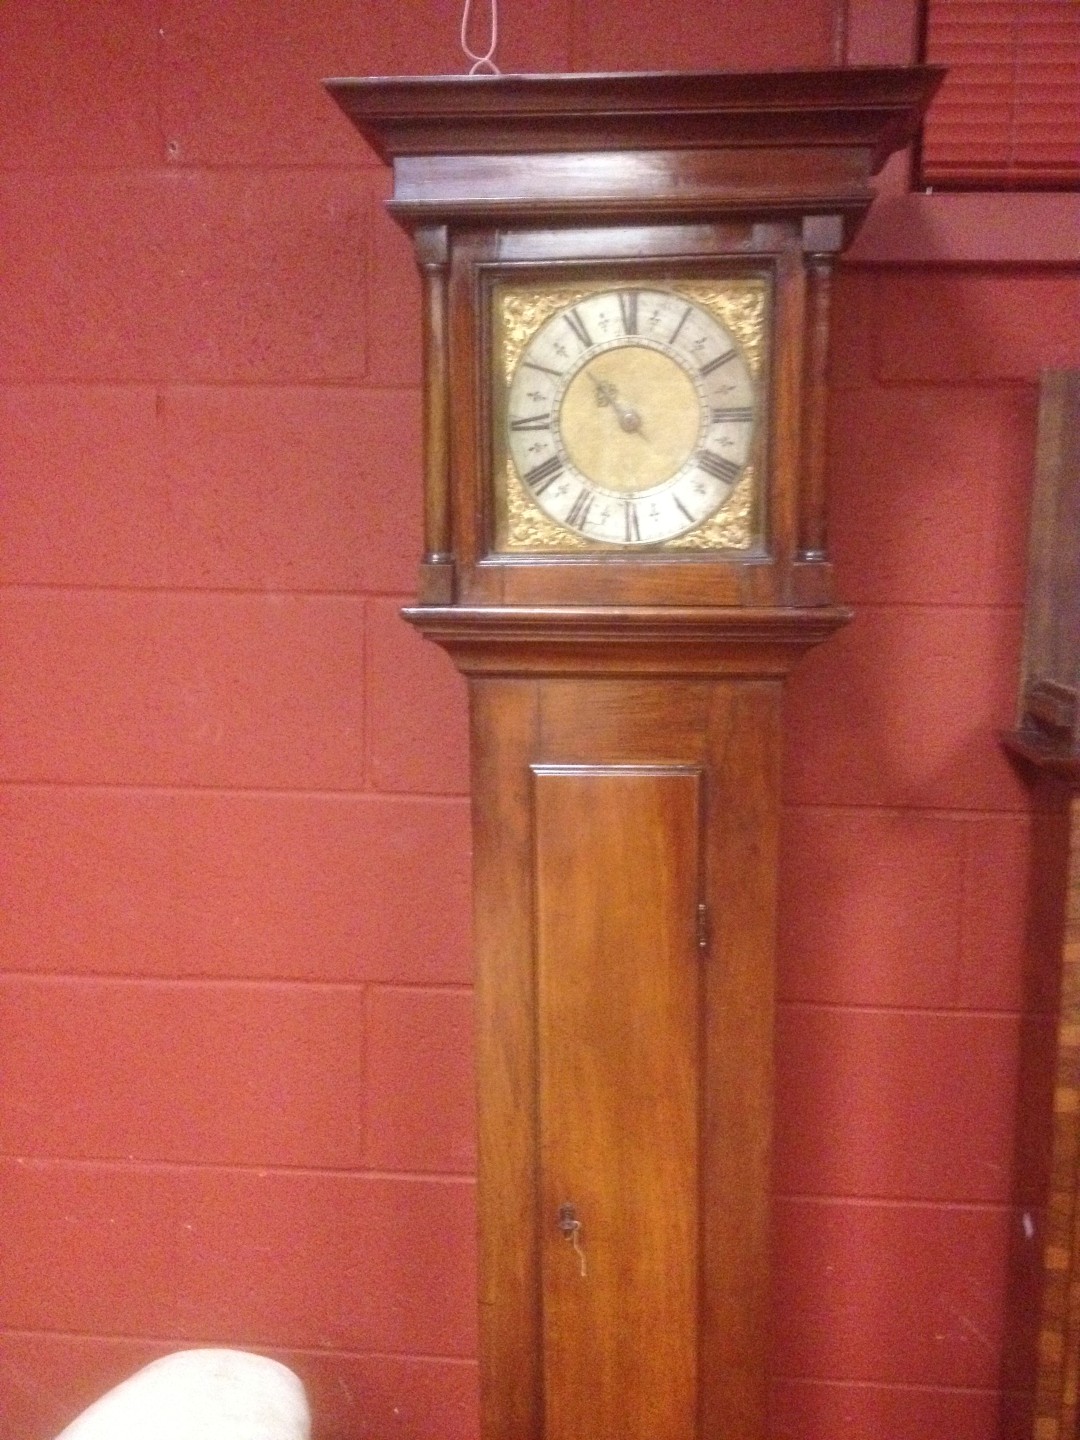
[[632, 642]]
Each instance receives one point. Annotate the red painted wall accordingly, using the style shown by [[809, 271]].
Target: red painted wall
[[235, 1090]]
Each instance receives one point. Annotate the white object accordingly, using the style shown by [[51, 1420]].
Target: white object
[[200, 1395], [482, 64]]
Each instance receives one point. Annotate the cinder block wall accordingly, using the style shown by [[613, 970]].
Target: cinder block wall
[[235, 1056]]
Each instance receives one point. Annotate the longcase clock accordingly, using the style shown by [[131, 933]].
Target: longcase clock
[[626, 310]]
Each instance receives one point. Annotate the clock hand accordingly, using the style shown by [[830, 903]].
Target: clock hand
[[605, 390], [606, 394]]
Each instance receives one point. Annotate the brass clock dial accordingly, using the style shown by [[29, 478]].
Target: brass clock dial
[[630, 415]]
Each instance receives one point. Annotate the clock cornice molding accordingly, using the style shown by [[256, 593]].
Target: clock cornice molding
[[775, 144], [874, 108]]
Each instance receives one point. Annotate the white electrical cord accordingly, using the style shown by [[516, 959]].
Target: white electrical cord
[[482, 64]]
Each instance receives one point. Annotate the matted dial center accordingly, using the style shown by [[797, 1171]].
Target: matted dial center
[[630, 419]]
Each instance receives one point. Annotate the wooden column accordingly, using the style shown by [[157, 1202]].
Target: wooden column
[[1059, 1330], [1054, 958]]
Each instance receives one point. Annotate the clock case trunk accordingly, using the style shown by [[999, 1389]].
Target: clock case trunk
[[625, 719]]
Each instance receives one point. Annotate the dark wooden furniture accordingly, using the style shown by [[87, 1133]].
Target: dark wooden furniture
[[625, 708], [1047, 743]]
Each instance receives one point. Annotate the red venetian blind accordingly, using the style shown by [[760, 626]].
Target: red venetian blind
[[1008, 115]]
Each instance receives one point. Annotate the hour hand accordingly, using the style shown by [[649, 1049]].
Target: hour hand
[[606, 394]]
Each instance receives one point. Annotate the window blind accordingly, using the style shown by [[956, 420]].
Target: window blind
[[1008, 114]]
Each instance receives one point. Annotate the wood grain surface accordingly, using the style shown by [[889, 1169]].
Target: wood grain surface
[[618, 863], [624, 1067]]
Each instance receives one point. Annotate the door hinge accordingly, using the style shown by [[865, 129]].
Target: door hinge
[[703, 927]]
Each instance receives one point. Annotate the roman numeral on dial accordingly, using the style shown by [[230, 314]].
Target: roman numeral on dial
[[546, 473], [724, 359], [682, 321], [628, 308], [579, 511], [732, 412], [577, 325], [718, 467], [531, 422], [633, 525]]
